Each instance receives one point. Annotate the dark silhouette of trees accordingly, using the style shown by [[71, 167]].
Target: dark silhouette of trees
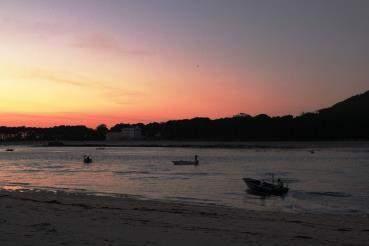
[[72, 133], [101, 131], [347, 120]]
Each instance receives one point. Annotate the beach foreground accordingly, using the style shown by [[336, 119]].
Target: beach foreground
[[49, 218]]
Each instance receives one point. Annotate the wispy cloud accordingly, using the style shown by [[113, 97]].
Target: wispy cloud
[[40, 29], [107, 44], [52, 77], [123, 97], [117, 95], [98, 41]]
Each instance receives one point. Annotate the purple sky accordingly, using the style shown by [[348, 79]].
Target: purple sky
[[157, 60]]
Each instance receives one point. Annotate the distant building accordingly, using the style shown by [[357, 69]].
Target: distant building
[[127, 133]]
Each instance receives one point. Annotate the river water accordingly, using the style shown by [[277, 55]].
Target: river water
[[330, 180]]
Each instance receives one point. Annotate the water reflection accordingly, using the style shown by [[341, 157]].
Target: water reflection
[[332, 180]]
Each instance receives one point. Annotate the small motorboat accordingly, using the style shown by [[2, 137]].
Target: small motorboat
[[188, 163], [9, 150], [266, 188], [87, 159]]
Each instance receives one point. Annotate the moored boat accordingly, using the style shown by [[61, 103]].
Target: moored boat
[[266, 188], [188, 163], [87, 159]]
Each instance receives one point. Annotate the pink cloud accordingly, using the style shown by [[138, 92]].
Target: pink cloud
[[107, 44]]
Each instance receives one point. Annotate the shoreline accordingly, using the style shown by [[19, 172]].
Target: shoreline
[[196, 144], [61, 218]]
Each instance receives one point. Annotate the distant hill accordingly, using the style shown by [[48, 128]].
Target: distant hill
[[346, 120], [356, 106]]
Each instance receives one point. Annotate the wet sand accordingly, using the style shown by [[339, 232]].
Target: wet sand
[[47, 218]]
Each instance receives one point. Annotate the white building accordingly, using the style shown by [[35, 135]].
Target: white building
[[133, 132]]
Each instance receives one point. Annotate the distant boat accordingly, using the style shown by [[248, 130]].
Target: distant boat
[[187, 163], [266, 188], [87, 159], [9, 150]]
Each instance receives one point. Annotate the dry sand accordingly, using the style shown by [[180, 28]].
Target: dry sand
[[47, 218]]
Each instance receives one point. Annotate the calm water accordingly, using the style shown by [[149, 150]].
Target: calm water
[[333, 180]]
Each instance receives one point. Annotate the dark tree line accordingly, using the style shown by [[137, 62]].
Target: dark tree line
[[347, 120], [306, 127], [72, 133]]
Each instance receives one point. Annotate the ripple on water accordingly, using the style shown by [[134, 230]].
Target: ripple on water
[[191, 174], [130, 172], [329, 193]]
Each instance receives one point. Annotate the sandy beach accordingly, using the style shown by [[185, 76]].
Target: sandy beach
[[49, 218]]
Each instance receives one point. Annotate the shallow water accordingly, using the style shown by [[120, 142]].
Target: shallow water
[[332, 180]]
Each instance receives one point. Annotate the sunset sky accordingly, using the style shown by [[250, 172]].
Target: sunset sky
[[93, 61]]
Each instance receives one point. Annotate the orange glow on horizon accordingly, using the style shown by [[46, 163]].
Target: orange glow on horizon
[[109, 62]]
